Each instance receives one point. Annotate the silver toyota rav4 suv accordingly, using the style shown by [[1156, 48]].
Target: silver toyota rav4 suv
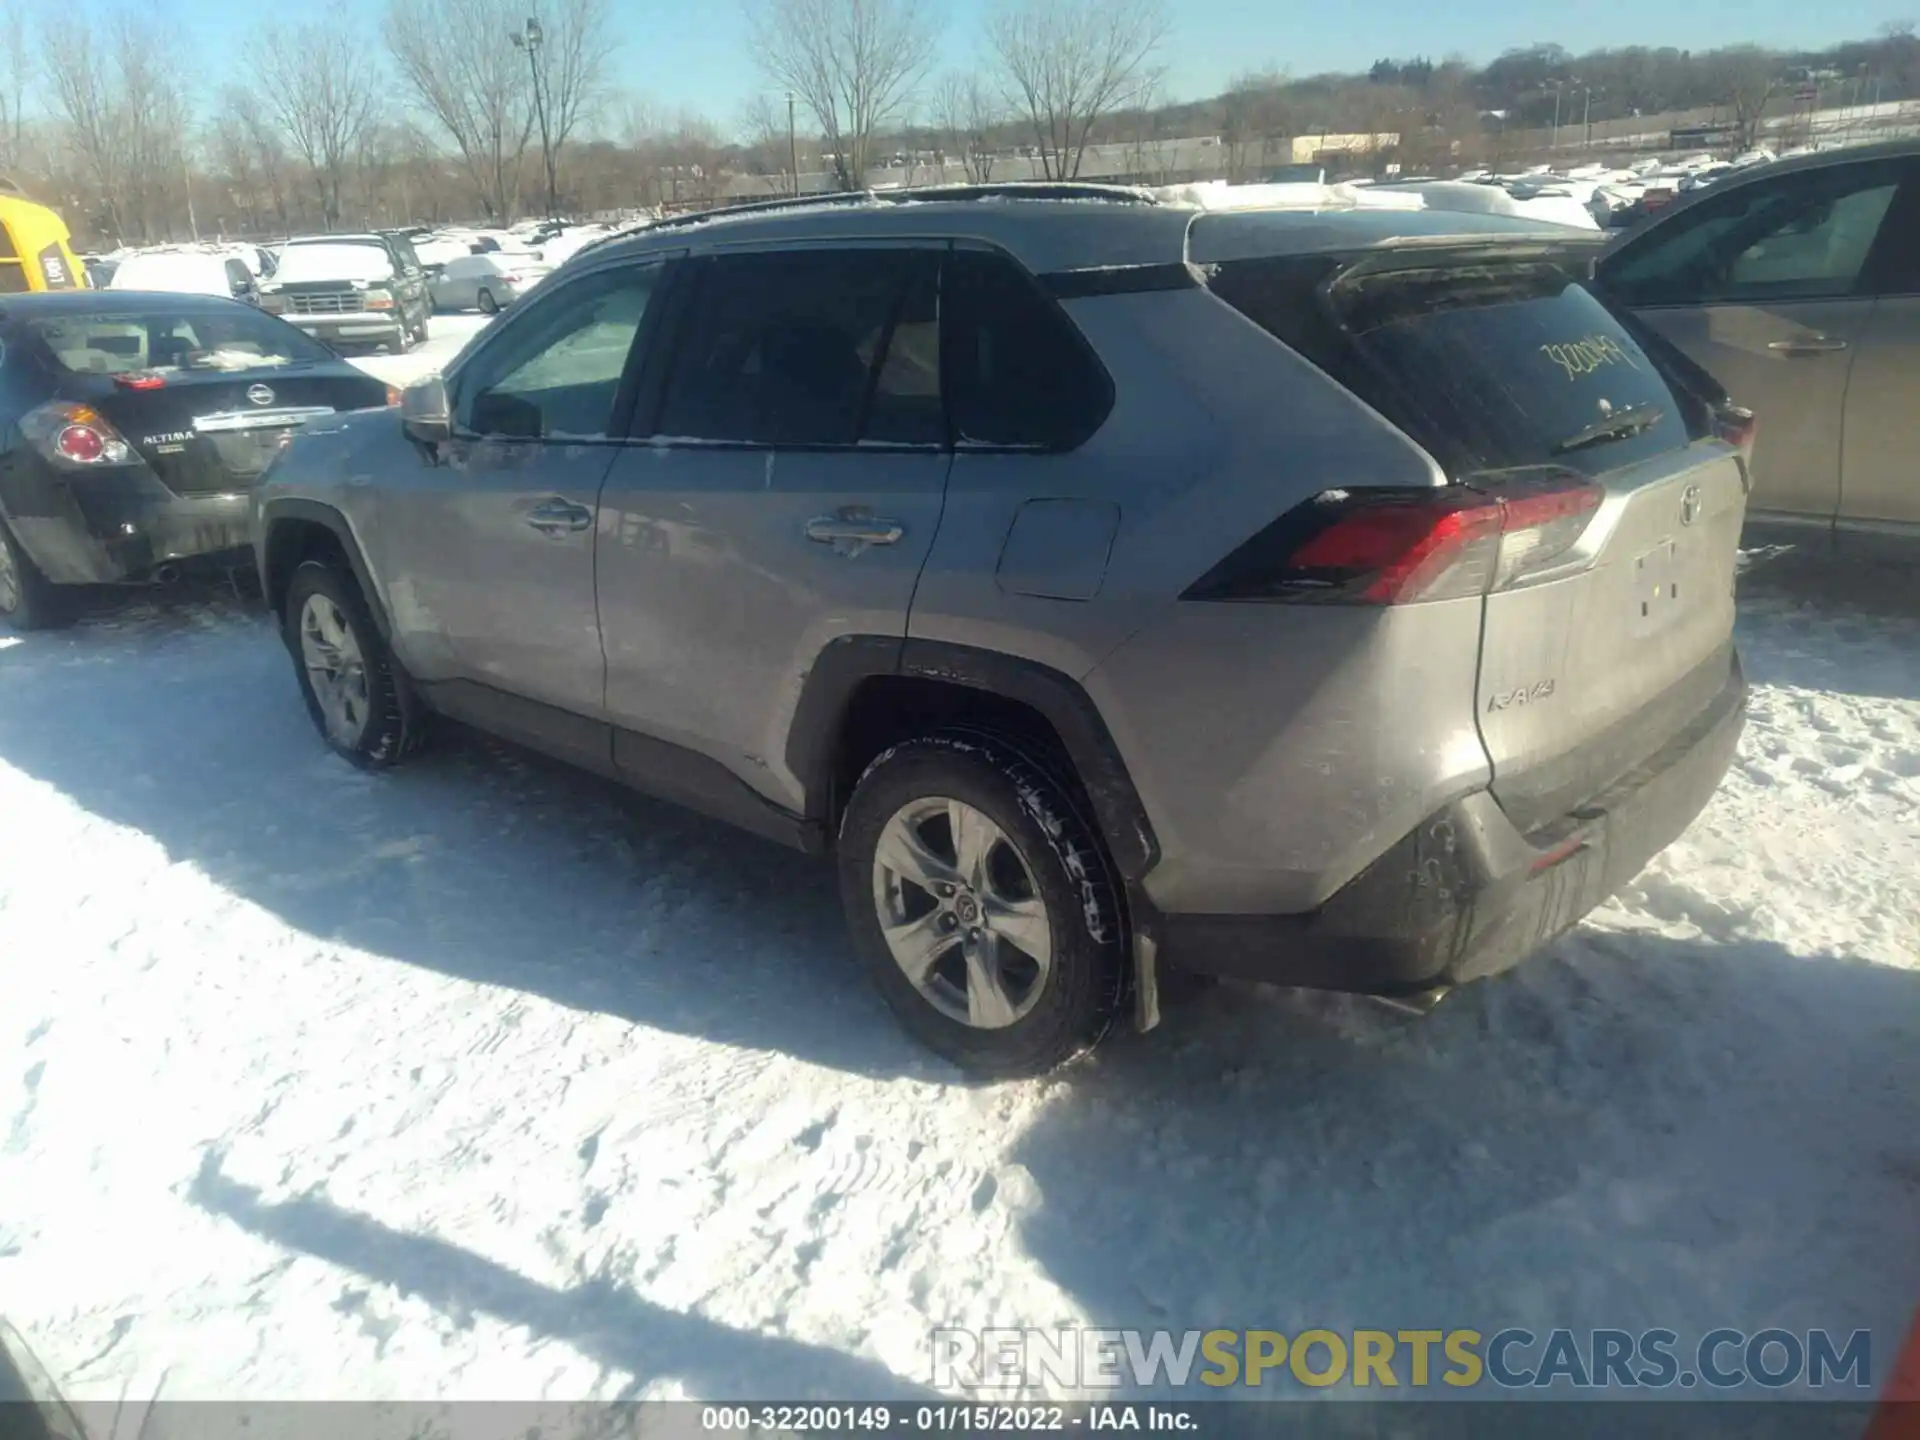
[[1114, 589]]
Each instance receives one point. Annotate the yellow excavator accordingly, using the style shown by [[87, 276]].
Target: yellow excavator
[[34, 249]]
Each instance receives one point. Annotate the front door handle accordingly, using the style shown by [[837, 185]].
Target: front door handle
[[853, 528], [1810, 345], [559, 517]]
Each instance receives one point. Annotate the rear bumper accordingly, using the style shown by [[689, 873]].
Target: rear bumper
[[1466, 894], [122, 526]]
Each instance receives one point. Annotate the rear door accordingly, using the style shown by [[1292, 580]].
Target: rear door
[[1768, 286], [1879, 474], [787, 493]]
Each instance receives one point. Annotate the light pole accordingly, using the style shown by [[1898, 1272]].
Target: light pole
[[530, 39]]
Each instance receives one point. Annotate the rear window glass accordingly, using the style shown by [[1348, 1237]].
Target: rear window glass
[[113, 343], [1489, 366]]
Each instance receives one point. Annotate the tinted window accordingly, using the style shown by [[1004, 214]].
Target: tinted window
[[1805, 236], [809, 348], [114, 341], [1488, 366], [1016, 371], [555, 372]]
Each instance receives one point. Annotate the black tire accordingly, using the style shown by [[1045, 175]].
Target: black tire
[[426, 323], [488, 305], [28, 600], [395, 720], [1033, 808]]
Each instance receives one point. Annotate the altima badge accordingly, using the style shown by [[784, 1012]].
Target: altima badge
[[260, 394], [1690, 505]]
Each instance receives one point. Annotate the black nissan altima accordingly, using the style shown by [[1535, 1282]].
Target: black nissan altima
[[135, 426]]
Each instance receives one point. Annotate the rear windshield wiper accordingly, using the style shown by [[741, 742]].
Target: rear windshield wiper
[[1617, 425]]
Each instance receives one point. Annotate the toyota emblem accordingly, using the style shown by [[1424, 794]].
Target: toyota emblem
[[1690, 505], [260, 394]]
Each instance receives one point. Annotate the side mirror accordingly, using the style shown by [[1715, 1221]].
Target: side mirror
[[424, 412]]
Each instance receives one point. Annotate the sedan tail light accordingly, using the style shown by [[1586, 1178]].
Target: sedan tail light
[[1399, 547], [74, 437]]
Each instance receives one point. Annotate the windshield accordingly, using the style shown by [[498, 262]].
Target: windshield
[[334, 260], [194, 274], [224, 340]]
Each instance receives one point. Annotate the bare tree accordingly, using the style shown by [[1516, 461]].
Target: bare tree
[[966, 111], [1744, 79], [125, 118], [320, 86], [16, 70], [769, 153], [852, 64], [459, 69], [247, 144], [1066, 63]]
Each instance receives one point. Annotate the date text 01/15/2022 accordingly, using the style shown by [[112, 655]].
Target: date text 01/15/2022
[[946, 1418]]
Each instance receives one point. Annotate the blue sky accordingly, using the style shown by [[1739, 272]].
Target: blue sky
[[690, 52]]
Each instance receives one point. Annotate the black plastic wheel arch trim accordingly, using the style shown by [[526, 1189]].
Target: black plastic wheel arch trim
[[315, 512]]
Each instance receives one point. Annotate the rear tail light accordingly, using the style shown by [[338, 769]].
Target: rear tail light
[[140, 380], [1398, 547], [74, 437]]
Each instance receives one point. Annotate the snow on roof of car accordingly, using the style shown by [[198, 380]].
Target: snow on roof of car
[[188, 272], [333, 260]]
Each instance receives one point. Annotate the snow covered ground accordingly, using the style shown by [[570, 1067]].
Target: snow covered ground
[[479, 1079], [446, 335]]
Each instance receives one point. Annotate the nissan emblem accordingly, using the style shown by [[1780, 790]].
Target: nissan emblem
[[260, 394]]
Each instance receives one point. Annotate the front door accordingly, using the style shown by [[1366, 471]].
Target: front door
[[494, 582], [787, 496], [1769, 288]]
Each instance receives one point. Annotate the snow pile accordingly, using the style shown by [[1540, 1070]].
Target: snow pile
[[478, 1080]]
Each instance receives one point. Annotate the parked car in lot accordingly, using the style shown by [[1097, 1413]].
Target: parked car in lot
[[1329, 598], [488, 283], [352, 290], [186, 272], [135, 426], [1797, 285]]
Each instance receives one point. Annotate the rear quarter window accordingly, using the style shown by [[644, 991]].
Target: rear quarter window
[[1488, 364]]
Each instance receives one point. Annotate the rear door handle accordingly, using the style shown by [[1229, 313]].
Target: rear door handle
[[559, 517], [852, 528], [1811, 345]]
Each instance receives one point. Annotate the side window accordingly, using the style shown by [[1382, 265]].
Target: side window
[[555, 372], [809, 347], [403, 251], [238, 276], [1015, 370], [1803, 237]]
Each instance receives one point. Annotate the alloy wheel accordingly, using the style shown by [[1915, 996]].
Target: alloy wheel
[[336, 670], [961, 912]]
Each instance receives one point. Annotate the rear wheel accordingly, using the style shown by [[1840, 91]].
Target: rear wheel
[[488, 305], [28, 600], [356, 693], [980, 904]]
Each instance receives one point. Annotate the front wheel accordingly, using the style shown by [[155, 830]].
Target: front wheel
[[488, 305], [981, 905], [356, 694]]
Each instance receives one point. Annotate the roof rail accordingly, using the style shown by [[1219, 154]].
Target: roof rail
[[994, 190], [1026, 190]]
